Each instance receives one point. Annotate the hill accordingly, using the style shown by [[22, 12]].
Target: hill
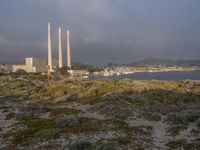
[[157, 61]]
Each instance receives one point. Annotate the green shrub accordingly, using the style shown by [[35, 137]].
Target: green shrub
[[176, 144], [66, 111], [82, 145], [176, 129], [151, 116], [182, 117], [48, 133]]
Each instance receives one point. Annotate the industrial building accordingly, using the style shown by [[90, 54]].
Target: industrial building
[[73, 73], [32, 65], [60, 53]]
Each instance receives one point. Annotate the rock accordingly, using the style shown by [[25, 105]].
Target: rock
[[23, 115], [67, 121]]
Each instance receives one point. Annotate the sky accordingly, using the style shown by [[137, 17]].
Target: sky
[[102, 31]]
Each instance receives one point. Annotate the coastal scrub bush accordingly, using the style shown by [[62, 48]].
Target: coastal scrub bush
[[24, 116], [191, 97], [182, 117], [176, 144], [183, 144], [48, 133], [59, 89], [80, 145], [10, 116], [176, 129], [64, 111], [123, 140], [151, 116], [34, 125]]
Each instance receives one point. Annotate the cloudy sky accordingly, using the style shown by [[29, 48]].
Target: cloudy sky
[[102, 31]]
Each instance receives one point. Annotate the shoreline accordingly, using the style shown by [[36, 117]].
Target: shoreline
[[149, 75]]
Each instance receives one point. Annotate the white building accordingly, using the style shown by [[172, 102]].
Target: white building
[[5, 69], [78, 73], [32, 65]]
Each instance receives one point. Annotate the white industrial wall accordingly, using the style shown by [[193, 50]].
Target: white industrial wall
[[16, 67]]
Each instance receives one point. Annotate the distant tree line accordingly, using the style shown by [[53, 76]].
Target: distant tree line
[[89, 68], [62, 71]]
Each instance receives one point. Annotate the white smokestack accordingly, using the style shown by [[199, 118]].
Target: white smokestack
[[60, 49], [68, 50], [49, 49]]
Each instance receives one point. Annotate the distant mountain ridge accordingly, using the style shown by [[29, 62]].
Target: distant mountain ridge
[[159, 61]]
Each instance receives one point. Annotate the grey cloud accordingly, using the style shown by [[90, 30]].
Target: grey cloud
[[102, 30]]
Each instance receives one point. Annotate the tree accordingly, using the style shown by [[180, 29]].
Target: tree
[[63, 70], [20, 72]]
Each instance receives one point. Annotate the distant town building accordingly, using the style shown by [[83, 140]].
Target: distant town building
[[32, 65], [78, 73], [5, 69]]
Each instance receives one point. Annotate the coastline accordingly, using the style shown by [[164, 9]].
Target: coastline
[[174, 75]]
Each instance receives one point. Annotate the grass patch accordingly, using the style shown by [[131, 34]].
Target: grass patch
[[183, 118], [48, 133], [151, 116], [65, 111], [22, 136], [93, 125], [92, 100], [47, 129], [59, 90], [33, 126], [123, 140], [176, 144], [82, 145], [175, 130]]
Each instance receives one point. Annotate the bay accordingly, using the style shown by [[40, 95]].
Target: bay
[[184, 75]]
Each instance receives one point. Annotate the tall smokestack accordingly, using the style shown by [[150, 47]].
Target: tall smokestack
[[68, 50], [60, 49], [50, 69]]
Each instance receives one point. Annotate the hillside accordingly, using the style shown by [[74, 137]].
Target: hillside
[[100, 114], [157, 61]]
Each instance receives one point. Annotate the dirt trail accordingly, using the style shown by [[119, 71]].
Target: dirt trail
[[158, 131]]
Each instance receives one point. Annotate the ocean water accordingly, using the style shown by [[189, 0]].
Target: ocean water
[[191, 75]]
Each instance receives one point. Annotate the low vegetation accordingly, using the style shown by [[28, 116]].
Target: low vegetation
[[100, 114]]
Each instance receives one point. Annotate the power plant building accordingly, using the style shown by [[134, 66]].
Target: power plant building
[[43, 65], [60, 51], [32, 65]]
